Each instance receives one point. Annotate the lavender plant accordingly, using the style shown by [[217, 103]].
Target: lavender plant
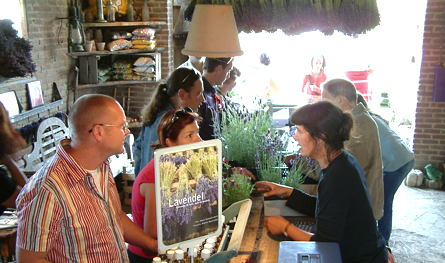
[[250, 141], [242, 131], [237, 187]]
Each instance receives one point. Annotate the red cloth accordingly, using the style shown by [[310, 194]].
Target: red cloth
[[360, 80], [313, 80], [146, 175]]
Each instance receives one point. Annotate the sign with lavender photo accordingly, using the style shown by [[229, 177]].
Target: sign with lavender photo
[[188, 193]]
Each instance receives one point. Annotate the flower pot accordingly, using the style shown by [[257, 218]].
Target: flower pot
[[434, 184]]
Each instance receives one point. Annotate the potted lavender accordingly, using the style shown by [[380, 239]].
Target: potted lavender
[[250, 141]]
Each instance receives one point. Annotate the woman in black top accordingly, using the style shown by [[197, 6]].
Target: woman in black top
[[11, 178], [342, 210]]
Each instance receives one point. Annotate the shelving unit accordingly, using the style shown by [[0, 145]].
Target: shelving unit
[[117, 52], [126, 24], [88, 61]]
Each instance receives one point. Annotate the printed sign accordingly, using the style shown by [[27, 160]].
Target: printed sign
[[188, 193]]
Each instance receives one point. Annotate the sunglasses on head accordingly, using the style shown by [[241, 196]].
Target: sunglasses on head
[[182, 113], [191, 73]]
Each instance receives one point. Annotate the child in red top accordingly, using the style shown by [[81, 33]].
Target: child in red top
[[312, 82]]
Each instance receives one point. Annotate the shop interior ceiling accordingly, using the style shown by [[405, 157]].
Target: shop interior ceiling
[[297, 16]]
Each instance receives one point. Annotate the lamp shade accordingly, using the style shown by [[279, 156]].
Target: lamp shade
[[213, 33]]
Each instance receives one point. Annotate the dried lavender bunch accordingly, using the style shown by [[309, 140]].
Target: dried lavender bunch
[[15, 52]]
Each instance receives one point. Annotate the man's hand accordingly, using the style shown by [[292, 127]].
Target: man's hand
[[134, 235]]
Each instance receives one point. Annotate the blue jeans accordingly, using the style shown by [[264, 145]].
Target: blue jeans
[[391, 182]]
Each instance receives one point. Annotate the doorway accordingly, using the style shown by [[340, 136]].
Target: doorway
[[388, 57]]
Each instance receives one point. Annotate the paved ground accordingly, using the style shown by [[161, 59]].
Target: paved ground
[[418, 226]]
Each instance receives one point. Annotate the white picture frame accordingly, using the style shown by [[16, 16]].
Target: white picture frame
[[10, 102], [35, 95], [188, 228]]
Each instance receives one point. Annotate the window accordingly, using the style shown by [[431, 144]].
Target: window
[[14, 10]]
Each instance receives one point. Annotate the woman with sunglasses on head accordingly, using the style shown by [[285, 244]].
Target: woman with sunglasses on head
[[175, 128], [183, 89], [342, 209]]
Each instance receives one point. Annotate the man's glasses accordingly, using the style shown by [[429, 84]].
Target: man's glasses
[[124, 126]]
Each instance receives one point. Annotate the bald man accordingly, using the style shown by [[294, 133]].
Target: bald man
[[69, 211]]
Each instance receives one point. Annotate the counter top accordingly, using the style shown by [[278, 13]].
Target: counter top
[[257, 246]]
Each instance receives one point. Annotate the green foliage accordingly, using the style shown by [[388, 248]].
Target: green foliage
[[242, 132], [237, 187], [432, 173], [250, 141], [301, 167], [269, 169]]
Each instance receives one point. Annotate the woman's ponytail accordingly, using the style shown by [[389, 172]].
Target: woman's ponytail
[[159, 100]]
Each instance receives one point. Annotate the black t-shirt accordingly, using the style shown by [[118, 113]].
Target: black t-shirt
[[343, 212], [208, 112], [7, 188]]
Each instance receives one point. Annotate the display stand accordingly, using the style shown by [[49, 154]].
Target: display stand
[[188, 183]]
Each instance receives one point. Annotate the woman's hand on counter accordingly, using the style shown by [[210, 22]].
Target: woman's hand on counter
[[276, 224], [273, 189]]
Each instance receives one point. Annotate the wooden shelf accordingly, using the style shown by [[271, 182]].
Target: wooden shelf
[[35, 111], [128, 24], [5, 82], [114, 83], [117, 52]]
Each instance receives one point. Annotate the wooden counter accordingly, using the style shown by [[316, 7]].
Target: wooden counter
[[257, 246]]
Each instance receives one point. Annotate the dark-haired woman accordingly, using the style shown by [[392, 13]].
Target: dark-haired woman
[[175, 128], [183, 89], [11, 178], [342, 210]]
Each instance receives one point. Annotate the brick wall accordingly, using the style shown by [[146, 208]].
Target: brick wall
[[429, 134], [48, 35], [49, 52]]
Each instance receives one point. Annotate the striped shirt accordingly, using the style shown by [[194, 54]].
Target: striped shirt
[[61, 212]]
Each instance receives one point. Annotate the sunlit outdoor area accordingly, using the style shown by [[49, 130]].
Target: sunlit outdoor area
[[11, 10], [384, 63]]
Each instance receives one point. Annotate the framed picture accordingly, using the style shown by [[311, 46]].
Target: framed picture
[[188, 185], [10, 102], [35, 95]]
